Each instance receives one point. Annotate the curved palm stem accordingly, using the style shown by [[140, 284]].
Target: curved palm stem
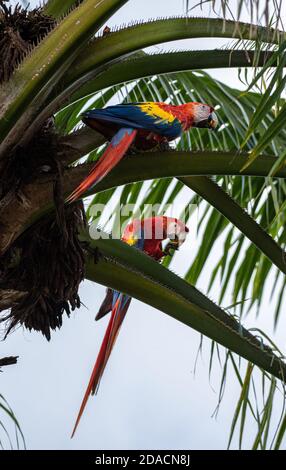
[[147, 166], [133, 38], [59, 8], [133, 168], [145, 65]]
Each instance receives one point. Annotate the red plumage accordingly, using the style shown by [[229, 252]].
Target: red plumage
[[113, 154]]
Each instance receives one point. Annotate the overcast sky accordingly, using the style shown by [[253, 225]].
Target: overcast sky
[[149, 397]]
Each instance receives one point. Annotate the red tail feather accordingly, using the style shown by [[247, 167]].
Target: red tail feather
[[113, 154], [116, 319]]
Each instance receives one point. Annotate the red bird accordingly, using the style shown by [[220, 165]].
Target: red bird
[[146, 235], [143, 125]]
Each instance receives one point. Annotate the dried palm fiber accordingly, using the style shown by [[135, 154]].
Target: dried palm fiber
[[20, 30], [47, 261], [25, 164], [49, 266]]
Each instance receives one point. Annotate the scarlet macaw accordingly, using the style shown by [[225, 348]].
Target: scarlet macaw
[[145, 125], [146, 235]]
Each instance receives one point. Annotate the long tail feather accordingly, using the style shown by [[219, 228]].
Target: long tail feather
[[117, 148], [106, 305], [117, 316]]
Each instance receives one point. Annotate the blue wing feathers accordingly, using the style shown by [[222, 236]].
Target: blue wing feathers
[[130, 115]]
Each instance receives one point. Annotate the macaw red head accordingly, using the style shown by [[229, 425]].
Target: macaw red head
[[201, 115], [155, 230]]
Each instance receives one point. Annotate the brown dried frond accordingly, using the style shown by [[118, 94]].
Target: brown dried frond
[[20, 30]]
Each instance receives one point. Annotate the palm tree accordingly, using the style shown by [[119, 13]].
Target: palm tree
[[236, 175]]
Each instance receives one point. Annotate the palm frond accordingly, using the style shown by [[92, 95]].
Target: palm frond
[[9, 425]]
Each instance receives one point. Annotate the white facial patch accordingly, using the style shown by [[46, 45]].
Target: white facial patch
[[201, 112], [174, 231]]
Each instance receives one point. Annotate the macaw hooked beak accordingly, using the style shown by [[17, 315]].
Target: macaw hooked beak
[[178, 240], [174, 243], [212, 121]]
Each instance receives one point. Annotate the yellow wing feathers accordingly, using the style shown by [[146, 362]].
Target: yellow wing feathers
[[154, 110]]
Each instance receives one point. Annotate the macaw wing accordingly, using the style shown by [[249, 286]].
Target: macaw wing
[[148, 116]]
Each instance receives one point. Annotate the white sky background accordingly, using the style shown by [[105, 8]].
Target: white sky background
[[149, 397]]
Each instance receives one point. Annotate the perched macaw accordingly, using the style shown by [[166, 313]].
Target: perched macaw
[[143, 125], [146, 235]]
